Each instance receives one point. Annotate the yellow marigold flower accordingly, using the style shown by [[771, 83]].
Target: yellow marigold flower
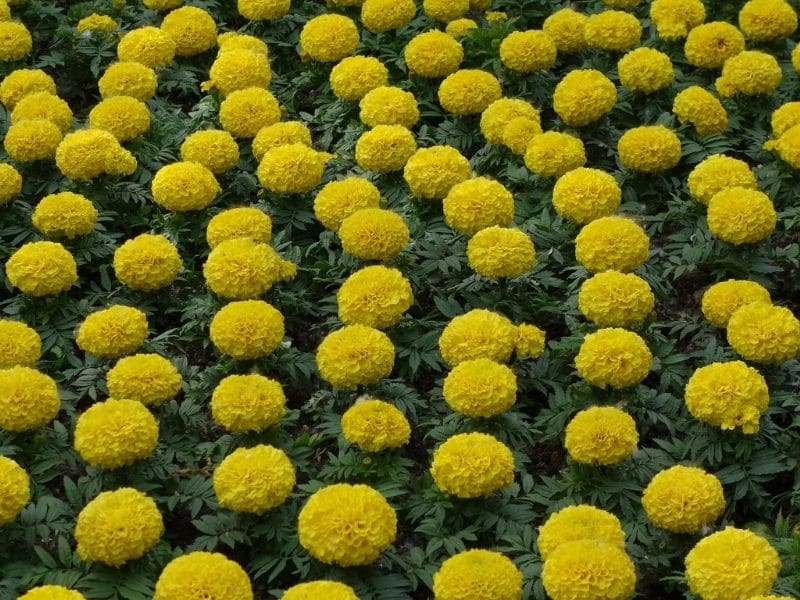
[[88, 153], [795, 56], [248, 402], [528, 51], [280, 134], [649, 149], [479, 333], [291, 169], [764, 333], [245, 112], [708, 46], [374, 234], [702, 109], [432, 172], [42, 269], [497, 116], [388, 105], [469, 91], [613, 358], [495, 16], [583, 96], [95, 22], [552, 154], [355, 355], [117, 527], [645, 70], [612, 243], [530, 341], [15, 491], [128, 79], [114, 331], [21, 82], [216, 150], [147, 262], [332, 590], [233, 40], [579, 522], [32, 140], [354, 76], [498, 252], [601, 435], [519, 132], [28, 399], [460, 28], [247, 329], [192, 29], [51, 592], [337, 200], [723, 299], [160, 5], [384, 15], [329, 38], [787, 146], [588, 569], [147, 378], [15, 41], [235, 70], [749, 72], [242, 222], [208, 574], [433, 54], [674, 19], [716, 173], [115, 433], [64, 214], [43, 105], [346, 525], [183, 186], [614, 299], [683, 499], [254, 480], [241, 268], [445, 10], [471, 465], [375, 296], [566, 28], [5, 11], [10, 183], [767, 20], [124, 117], [374, 425], [385, 148], [476, 204], [741, 216], [771, 597], [480, 388], [20, 345], [147, 45], [732, 563], [263, 10], [583, 195], [613, 30], [472, 572], [785, 117]]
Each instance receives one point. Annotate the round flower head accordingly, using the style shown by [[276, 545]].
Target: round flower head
[[475, 574], [612, 243], [42, 269], [291, 169], [15, 41], [160, 5], [519, 133], [375, 296], [723, 299], [460, 28], [354, 76], [719, 172], [566, 28], [332, 590], [280, 134], [702, 109], [43, 105], [613, 30], [10, 183], [20, 345], [203, 574], [767, 20], [498, 252], [147, 45], [469, 91], [147, 262], [232, 40], [242, 222], [795, 56], [346, 525], [583, 96], [480, 388], [216, 150], [374, 425], [601, 435], [645, 70], [248, 402], [683, 499], [528, 51], [732, 563], [374, 234], [338, 200], [183, 186], [674, 19], [552, 154], [51, 592], [192, 29], [263, 10], [88, 153], [588, 569], [741, 216], [235, 70], [433, 54], [749, 72], [21, 82], [15, 490], [95, 22], [329, 37], [64, 215], [614, 299], [472, 465], [445, 10], [32, 140], [147, 378], [787, 146], [580, 522], [384, 15], [115, 433], [480, 333], [386, 105], [530, 341], [708, 46], [785, 117], [649, 149], [500, 113], [128, 79], [28, 399], [254, 480], [476, 204], [385, 148], [764, 333], [247, 329], [245, 112], [117, 527], [355, 355], [114, 331], [583, 195], [432, 172], [613, 358]]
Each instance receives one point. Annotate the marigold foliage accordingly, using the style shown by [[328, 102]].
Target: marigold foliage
[[683, 499], [583, 96], [741, 216], [374, 234], [28, 399], [248, 402], [64, 214], [355, 355], [579, 522], [476, 204], [42, 269], [374, 425], [480, 333], [613, 358], [15, 488], [114, 331], [764, 333], [247, 329], [723, 299], [216, 150], [147, 378], [385, 148], [498, 252], [147, 262], [209, 574], [477, 574], [375, 296], [584, 194], [649, 149], [590, 570], [354, 76], [480, 388], [254, 480], [614, 299], [708, 46]]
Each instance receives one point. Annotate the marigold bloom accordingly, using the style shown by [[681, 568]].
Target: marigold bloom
[[649, 149], [552, 154], [28, 399], [566, 28], [723, 299], [338, 200], [10, 183], [43, 105], [95, 22], [519, 133], [764, 333], [15, 41], [235, 70], [787, 146], [708, 46], [354, 76], [480, 388], [184, 186], [476, 204], [147, 262], [472, 572], [716, 173], [433, 54], [741, 216], [375, 296], [749, 72], [767, 20], [528, 51], [51, 592], [374, 425], [445, 10], [42, 269], [432, 172], [613, 243], [385, 148], [280, 134], [374, 234], [386, 105], [192, 29], [216, 150], [588, 569], [20, 345], [88, 153], [785, 117], [247, 329], [498, 252], [469, 91], [674, 19], [64, 214], [683, 499], [579, 522], [613, 30], [583, 195], [254, 480], [614, 299], [479, 333], [583, 96], [147, 378], [247, 111], [471, 465], [530, 341], [32, 140], [645, 70], [241, 222], [233, 40], [291, 169], [601, 435], [240, 268], [613, 358], [355, 355], [21, 82], [15, 490], [500, 113], [147, 45], [211, 575], [702, 109], [248, 402], [332, 590], [384, 15], [114, 331], [263, 10], [159, 5], [460, 28], [115, 433], [329, 37], [128, 79]]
